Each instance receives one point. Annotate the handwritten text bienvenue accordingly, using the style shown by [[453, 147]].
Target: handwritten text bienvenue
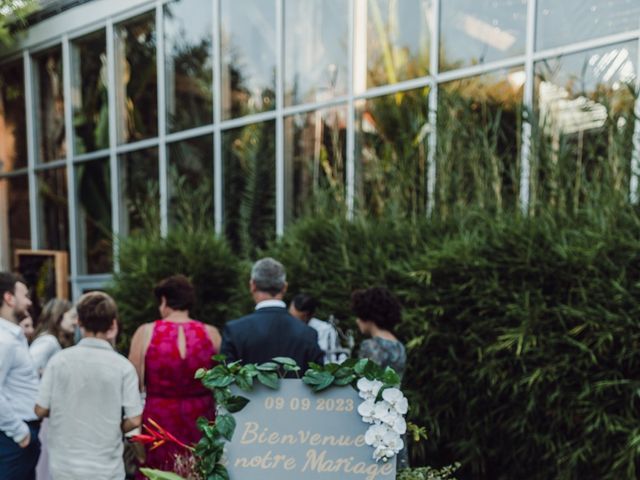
[[316, 460]]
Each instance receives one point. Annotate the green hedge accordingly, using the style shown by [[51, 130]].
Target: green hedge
[[522, 334], [218, 276]]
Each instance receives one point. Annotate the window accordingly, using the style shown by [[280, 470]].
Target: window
[[13, 124], [49, 95]]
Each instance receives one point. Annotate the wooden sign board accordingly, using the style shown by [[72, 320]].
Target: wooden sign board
[[296, 434], [46, 274]]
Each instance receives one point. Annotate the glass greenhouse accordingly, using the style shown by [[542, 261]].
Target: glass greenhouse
[[121, 115]]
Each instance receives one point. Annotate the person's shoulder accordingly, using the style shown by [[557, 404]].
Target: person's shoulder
[[119, 360], [320, 325], [45, 339], [64, 355], [243, 321], [144, 328]]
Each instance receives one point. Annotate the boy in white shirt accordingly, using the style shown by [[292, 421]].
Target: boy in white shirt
[[90, 394]]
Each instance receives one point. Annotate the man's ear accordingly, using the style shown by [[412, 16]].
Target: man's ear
[[8, 298], [284, 289], [252, 286]]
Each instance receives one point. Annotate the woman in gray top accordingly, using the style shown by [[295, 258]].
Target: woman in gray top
[[377, 313]]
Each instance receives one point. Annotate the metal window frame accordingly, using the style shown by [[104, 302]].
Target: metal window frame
[[106, 14]]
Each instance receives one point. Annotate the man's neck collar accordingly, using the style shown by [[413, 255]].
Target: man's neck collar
[[271, 302], [8, 315]]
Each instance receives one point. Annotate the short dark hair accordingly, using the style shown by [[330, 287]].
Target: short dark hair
[[377, 305], [305, 303], [178, 291], [8, 282], [96, 311]]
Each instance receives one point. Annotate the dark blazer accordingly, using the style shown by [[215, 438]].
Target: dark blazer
[[267, 333]]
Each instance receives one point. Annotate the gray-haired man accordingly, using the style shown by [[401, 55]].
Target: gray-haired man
[[270, 331]]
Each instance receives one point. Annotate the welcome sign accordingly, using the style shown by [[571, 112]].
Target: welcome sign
[[293, 433]]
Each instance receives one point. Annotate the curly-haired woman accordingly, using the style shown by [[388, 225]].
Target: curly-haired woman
[[377, 313]]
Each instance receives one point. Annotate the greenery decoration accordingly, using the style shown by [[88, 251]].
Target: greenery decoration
[[219, 379]]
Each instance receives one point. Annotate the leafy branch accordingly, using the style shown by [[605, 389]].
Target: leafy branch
[[219, 379], [321, 377]]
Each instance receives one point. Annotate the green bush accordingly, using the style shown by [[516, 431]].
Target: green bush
[[219, 277], [523, 333]]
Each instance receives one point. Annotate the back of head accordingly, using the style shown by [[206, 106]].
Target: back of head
[[96, 311], [377, 305], [51, 317], [178, 292], [305, 303], [269, 276], [8, 282]]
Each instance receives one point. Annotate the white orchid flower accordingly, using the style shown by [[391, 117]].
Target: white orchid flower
[[382, 453], [396, 399], [399, 425], [384, 413], [367, 411], [369, 389], [375, 435], [393, 441]]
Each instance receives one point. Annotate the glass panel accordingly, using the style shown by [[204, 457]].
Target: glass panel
[[585, 107], [140, 192], [14, 201], [50, 100], [191, 183], [13, 126], [249, 186], [315, 157], [479, 31], [136, 83], [479, 142], [317, 46], [53, 213], [89, 93], [189, 56], [393, 44], [570, 21], [392, 136], [95, 243], [248, 48]]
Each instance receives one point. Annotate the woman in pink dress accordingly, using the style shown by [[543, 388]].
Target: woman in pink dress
[[166, 354]]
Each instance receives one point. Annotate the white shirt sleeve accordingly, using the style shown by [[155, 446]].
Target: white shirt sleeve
[[42, 349], [131, 402], [46, 387], [10, 424]]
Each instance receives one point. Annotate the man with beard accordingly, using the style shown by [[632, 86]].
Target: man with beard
[[19, 425]]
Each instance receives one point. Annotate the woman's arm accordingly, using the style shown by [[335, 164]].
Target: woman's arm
[[138, 350], [215, 337]]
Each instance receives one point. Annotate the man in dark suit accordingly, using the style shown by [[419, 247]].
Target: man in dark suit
[[270, 331]]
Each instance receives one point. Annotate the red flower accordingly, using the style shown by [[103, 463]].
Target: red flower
[[157, 437]]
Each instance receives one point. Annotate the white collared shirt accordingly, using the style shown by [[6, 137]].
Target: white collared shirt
[[88, 389], [328, 341], [18, 382], [271, 303]]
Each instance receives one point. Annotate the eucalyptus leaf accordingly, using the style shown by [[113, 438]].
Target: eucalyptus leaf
[[235, 403], [268, 379], [226, 425], [286, 361], [267, 367]]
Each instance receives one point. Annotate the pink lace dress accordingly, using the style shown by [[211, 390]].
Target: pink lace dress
[[175, 399]]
